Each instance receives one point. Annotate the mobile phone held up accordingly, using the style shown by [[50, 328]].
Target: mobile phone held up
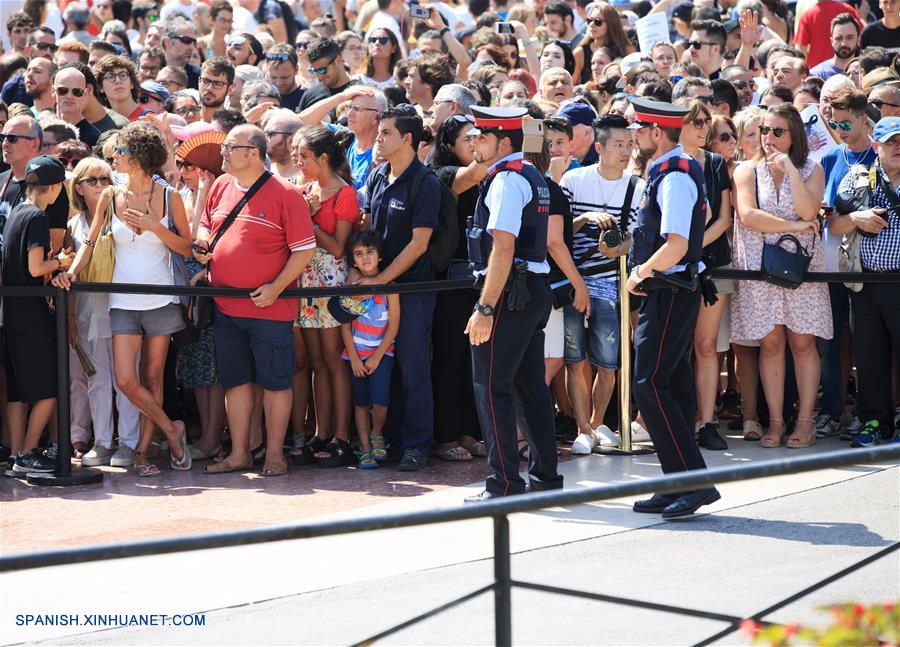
[[504, 28], [418, 11]]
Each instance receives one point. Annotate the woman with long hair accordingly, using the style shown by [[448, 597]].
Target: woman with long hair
[[383, 52], [213, 44], [142, 324], [721, 139], [321, 156], [716, 253], [779, 193], [747, 122], [604, 30], [91, 396], [352, 51], [557, 53]]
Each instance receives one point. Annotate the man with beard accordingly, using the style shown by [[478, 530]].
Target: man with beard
[[37, 84], [668, 243], [179, 44], [40, 44], [216, 81], [281, 71], [243, 49], [279, 127], [844, 43], [71, 92]]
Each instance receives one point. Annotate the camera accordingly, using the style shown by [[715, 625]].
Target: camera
[[504, 28], [612, 237], [418, 11]]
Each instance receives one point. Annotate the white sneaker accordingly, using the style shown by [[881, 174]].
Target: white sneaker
[[124, 457], [604, 437], [583, 445], [99, 455], [638, 433]]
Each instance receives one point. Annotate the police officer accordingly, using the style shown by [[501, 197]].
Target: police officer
[[507, 242], [665, 259]]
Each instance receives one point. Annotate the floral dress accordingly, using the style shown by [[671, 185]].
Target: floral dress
[[758, 306], [196, 366], [324, 270]]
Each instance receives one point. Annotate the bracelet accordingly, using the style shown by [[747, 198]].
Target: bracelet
[[87, 241], [445, 30]]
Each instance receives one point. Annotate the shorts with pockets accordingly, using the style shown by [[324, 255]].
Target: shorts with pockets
[[258, 351], [373, 389], [599, 342], [155, 322]]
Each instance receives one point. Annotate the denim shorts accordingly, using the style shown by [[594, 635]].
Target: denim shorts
[[150, 323], [258, 351], [599, 342], [373, 389]]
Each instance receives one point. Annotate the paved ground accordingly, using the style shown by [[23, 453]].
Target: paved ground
[[764, 541]]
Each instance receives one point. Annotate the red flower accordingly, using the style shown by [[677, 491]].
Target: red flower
[[750, 627]]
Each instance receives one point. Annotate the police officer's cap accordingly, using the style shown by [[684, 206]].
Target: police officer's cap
[[657, 113], [492, 120]]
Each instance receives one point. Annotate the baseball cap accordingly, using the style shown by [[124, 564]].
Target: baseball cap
[[886, 128], [45, 170], [578, 113], [156, 88], [682, 11]]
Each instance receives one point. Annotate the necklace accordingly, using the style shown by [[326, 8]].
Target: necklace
[[612, 193], [859, 157]]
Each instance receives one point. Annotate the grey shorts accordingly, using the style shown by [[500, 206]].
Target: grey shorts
[[147, 323]]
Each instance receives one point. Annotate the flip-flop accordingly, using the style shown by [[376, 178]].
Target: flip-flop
[[452, 454], [185, 463], [275, 468], [198, 455], [146, 470], [477, 449], [222, 468]]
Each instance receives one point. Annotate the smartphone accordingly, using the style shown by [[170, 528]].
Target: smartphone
[[504, 28], [418, 11]]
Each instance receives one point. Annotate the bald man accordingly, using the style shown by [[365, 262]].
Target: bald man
[[280, 126]]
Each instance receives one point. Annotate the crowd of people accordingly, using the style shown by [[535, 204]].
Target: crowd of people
[[269, 144]]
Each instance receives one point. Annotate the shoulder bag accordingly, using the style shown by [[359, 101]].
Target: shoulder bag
[[103, 257]]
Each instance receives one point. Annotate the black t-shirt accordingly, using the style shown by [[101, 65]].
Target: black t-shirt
[[111, 121], [88, 132], [26, 228], [559, 206], [878, 35], [292, 99], [316, 94], [14, 193], [715, 172], [465, 206]]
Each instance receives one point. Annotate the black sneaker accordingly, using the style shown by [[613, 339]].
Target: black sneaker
[[4, 453], [33, 461], [413, 460], [708, 437]]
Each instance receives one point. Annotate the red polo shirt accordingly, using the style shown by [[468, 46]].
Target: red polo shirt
[[273, 224]]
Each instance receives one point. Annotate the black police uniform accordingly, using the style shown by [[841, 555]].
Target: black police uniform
[[510, 365]]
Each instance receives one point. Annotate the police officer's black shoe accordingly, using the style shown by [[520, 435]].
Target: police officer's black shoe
[[708, 437], [687, 504], [655, 504]]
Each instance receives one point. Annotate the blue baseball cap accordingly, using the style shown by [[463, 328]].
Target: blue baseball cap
[[156, 88], [885, 129], [578, 113]]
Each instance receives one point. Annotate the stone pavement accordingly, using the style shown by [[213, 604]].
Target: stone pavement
[[765, 540]]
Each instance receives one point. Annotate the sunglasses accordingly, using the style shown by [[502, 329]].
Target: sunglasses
[[846, 126], [302, 45], [281, 57], [697, 44], [187, 110], [726, 137], [184, 166], [319, 71], [700, 122], [152, 18], [121, 150], [879, 102], [14, 139], [361, 109], [147, 98], [778, 132], [596, 22], [381, 40], [740, 84], [705, 100], [94, 181], [48, 46], [187, 40], [63, 91]]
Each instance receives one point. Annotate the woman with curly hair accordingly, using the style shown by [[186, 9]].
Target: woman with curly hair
[[604, 30], [148, 225], [119, 85]]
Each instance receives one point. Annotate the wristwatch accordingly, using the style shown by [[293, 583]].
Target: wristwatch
[[443, 31], [487, 311]]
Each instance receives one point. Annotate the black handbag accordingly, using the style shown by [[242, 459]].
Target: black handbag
[[783, 267]]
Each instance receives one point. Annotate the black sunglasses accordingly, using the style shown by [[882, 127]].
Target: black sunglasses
[[187, 40], [381, 40], [147, 98], [697, 44], [63, 91], [778, 132], [596, 22], [94, 181], [14, 139], [726, 137], [49, 46], [880, 102]]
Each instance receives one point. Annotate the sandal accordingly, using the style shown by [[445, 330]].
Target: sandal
[[223, 468], [275, 468], [795, 441], [770, 440], [452, 454], [155, 449], [752, 430], [366, 461], [79, 449], [145, 469], [477, 449], [306, 455], [185, 463], [258, 454], [223, 452], [340, 454], [379, 448]]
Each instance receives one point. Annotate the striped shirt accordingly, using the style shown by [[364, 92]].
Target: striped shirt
[[588, 191], [370, 327]]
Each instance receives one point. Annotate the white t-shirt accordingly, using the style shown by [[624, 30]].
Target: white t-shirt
[[177, 6]]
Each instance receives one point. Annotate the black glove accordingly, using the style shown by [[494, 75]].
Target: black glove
[[708, 288], [519, 294]]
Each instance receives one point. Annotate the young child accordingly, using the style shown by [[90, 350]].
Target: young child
[[369, 347]]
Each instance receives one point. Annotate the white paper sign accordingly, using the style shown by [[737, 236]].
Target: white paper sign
[[820, 138], [652, 29]]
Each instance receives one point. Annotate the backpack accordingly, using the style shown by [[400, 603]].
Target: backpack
[[445, 237]]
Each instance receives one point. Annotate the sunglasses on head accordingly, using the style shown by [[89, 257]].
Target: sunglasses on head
[[63, 91], [94, 181], [846, 126], [281, 57], [381, 40], [235, 40], [778, 132], [14, 139]]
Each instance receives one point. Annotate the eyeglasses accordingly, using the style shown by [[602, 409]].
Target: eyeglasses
[[880, 102], [700, 122], [846, 126], [697, 44], [47, 46], [230, 148], [319, 71], [63, 91], [150, 70], [187, 110], [381, 40], [168, 84], [281, 57], [218, 85], [187, 40], [596, 22], [115, 76], [14, 139], [778, 132], [48, 145], [272, 133], [361, 109], [353, 48], [726, 137], [94, 181], [675, 79], [184, 165], [147, 98], [121, 150]]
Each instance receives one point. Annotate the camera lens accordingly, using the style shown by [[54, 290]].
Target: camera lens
[[612, 238]]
